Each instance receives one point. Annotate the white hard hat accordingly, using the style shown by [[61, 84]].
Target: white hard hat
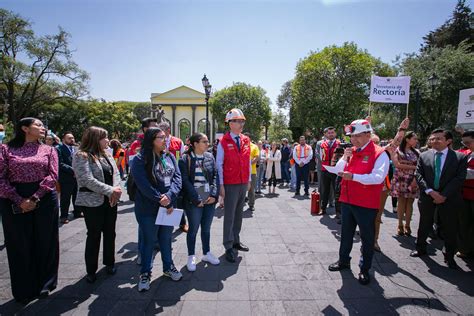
[[357, 127], [234, 114]]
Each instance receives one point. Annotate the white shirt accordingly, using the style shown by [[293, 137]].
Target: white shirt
[[220, 160], [302, 159], [443, 159], [378, 174]]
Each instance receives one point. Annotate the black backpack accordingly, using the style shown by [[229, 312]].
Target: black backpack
[[131, 187]]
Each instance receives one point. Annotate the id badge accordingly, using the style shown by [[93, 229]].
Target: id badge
[[167, 181], [207, 188]]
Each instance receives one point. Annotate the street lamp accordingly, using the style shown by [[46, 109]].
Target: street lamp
[[207, 89], [433, 81]]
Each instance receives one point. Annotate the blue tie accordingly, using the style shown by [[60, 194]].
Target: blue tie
[[437, 170], [237, 141]]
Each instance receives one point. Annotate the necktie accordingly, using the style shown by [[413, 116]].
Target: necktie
[[437, 170], [358, 150], [237, 141]]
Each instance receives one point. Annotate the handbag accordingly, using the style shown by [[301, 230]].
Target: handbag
[[201, 191]]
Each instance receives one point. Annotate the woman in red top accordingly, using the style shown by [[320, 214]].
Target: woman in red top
[[29, 206], [119, 156]]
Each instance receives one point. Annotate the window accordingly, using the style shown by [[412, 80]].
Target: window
[[184, 129], [202, 127]]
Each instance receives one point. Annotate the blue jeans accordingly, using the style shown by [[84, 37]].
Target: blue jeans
[[260, 174], [199, 216], [148, 235], [285, 171], [302, 173], [293, 178], [353, 216]]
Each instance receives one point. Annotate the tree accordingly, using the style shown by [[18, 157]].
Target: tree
[[284, 98], [251, 100], [279, 127], [453, 31], [454, 66], [330, 87], [36, 71]]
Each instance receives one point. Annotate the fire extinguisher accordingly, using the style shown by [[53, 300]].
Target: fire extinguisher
[[315, 196]]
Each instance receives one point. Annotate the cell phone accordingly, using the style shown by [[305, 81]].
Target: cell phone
[[16, 209]]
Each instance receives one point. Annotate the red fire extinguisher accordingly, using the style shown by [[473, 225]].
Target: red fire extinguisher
[[315, 202]]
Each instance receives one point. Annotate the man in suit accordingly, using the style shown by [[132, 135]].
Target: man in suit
[[67, 179], [440, 174]]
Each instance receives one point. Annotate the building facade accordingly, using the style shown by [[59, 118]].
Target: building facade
[[185, 109]]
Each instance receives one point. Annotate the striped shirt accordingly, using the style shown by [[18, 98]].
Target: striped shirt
[[199, 178]]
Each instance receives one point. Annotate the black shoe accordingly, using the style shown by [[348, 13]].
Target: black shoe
[[252, 209], [297, 193], [339, 221], [241, 247], [417, 253], [91, 278], [364, 278], [338, 266], [453, 265], [306, 193], [78, 215], [230, 255], [111, 269]]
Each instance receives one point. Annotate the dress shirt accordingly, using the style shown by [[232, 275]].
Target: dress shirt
[[378, 174], [302, 159], [443, 159], [220, 160]]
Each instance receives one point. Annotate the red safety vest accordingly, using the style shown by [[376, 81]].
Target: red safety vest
[[327, 153], [468, 185], [356, 193], [236, 167], [175, 146]]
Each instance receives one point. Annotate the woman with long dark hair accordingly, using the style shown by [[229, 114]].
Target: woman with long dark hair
[[404, 185], [29, 206], [200, 194], [158, 181], [99, 191]]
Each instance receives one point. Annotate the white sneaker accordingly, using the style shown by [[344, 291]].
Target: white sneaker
[[191, 265], [173, 273], [144, 283], [209, 257]]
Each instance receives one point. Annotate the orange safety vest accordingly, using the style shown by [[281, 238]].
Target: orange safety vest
[[307, 148]]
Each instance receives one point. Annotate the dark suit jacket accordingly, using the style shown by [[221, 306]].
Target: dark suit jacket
[[66, 173], [452, 175]]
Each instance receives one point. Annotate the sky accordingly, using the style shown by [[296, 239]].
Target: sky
[[137, 47]]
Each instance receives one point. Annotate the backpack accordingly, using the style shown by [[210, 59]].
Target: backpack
[[131, 187]]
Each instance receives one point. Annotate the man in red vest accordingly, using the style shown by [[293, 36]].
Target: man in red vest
[[328, 179], [174, 146], [234, 169], [466, 214], [365, 167]]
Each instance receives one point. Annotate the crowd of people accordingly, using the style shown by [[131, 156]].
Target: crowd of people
[[162, 171]]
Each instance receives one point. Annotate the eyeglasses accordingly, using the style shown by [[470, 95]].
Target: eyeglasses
[[204, 141], [160, 137], [242, 122]]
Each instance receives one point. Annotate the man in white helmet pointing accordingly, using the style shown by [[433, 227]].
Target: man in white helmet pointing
[[365, 167], [234, 169]]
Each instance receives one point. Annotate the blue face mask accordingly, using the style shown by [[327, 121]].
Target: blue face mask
[[2, 136]]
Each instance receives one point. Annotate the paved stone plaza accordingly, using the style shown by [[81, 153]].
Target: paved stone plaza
[[285, 272]]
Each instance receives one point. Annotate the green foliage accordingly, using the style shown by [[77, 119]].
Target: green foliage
[[251, 100], [453, 31], [455, 69], [284, 99], [331, 87], [36, 70], [279, 127]]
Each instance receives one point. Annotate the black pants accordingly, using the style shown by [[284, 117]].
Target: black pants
[[328, 182], [466, 228], [32, 244], [302, 173], [448, 214], [68, 191], [100, 220]]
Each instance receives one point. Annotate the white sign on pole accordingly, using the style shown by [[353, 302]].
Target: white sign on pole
[[466, 106], [390, 89]]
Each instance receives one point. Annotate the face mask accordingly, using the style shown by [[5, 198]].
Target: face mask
[[2, 136]]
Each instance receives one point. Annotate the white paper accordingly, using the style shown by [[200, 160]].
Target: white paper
[[336, 169], [166, 219]]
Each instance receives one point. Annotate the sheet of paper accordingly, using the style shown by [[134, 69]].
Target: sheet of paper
[[165, 219], [335, 169]]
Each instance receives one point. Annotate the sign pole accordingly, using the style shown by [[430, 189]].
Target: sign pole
[[407, 109], [370, 103]]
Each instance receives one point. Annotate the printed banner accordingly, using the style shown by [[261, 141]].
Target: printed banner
[[466, 106], [390, 89]]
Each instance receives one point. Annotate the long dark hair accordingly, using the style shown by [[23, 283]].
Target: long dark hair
[[20, 136], [116, 145], [148, 152], [90, 142], [195, 138], [403, 144]]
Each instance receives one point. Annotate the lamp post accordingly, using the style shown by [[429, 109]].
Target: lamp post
[[207, 89], [433, 81]]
